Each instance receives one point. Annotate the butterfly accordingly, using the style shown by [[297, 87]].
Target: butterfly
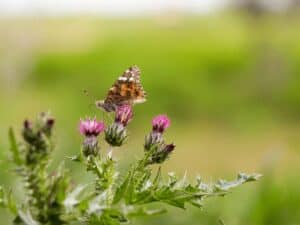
[[127, 90]]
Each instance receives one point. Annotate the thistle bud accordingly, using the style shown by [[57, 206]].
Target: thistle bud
[[37, 135], [162, 154], [47, 127], [154, 142], [116, 133], [50, 122], [27, 125], [45, 123], [28, 134]]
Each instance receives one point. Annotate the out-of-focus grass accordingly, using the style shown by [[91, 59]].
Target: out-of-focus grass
[[230, 85]]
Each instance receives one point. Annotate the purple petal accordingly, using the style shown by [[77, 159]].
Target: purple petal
[[160, 123], [90, 127]]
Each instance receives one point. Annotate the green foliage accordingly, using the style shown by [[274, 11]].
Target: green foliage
[[14, 147], [114, 199], [6, 201], [45, 192], [120, 201]]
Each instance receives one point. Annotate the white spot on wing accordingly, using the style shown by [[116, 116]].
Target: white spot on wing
[[122, 78], [131, 79], [138, 101]]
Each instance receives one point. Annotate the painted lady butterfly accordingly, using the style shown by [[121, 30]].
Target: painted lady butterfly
[[127, 90]]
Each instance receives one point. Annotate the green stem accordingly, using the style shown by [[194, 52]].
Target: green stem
[[37, 187]]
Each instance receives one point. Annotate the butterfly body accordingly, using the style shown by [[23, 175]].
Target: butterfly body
[[127, 90]]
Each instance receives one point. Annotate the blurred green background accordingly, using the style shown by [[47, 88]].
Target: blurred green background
[[230, 82]]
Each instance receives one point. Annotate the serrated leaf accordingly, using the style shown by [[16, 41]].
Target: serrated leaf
[[131, 186], [182, 182], [172, 179], [157, 178], [143, 181], [197, 203], [143, 197], [11, 203], [176, 203], [116, 214], [7, 201], [103, 219], [72, 199], [98, 204], [143, 211], [14, 147], [27, 218], [76, 158], [223, 185], [121, 190], [18, 221], [2, 197], [175, 198]]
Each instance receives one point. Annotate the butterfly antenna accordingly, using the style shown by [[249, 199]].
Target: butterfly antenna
[[93, 107], [88, 94], [92, 97]]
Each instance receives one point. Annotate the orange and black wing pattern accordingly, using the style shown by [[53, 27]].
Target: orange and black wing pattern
[[127, 89]]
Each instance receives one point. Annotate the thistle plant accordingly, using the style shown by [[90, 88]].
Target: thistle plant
[[115, 196], [44, 190]]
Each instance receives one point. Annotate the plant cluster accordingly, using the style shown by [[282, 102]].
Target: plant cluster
[[115, 196]]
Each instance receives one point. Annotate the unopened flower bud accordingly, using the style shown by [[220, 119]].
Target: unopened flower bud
[[45, 123], [157, 150], [50, 122], [47, 127], [169, 148], [115, 134], [28, 134], [27, 125], [161, 155], [37, 135]]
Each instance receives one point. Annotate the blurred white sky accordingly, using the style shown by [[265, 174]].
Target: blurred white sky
[[104, 7]]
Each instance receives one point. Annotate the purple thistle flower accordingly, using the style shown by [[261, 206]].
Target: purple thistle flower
[[123, 114], [90, 127], [160, 123]]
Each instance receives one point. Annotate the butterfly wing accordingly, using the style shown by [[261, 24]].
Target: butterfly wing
[[127, 89]]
